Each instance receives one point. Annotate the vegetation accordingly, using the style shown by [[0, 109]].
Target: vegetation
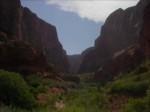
[[17, 94], [84, 100], [132, 84], [139, 105], [135, 86], [87, 99], [131, 93], [15, 91]]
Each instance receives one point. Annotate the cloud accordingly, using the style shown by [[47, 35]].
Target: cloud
[[95, 10]]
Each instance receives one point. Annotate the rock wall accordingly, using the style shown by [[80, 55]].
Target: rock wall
[[128, 59], [120, 63], [121, 29], [145, 33], [17, 22], [19, 56], [74, 60]]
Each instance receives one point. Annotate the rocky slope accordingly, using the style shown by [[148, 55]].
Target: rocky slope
[[17, 22], [121, 29], [120, 63]]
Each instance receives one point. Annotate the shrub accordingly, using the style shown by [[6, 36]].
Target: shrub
[[40, 89], [33, 80], [4, 108], [136, 106], [132, 88], [15, 91], [139, 105], [36, 81], [132, 84]]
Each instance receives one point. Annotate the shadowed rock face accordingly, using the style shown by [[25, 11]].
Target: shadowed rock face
[[21, 57], [130, 58], [74, 60], [17, 21], [9, 17], [145, 33], [121, 62], [121, 29]]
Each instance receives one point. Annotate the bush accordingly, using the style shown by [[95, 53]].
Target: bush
[[15, 91], [34, 80], [132, 88], [139, 105], [40, 89], [4, 108], [133, 84]]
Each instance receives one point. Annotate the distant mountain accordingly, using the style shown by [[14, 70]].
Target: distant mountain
[[120, 30], [19, 23]]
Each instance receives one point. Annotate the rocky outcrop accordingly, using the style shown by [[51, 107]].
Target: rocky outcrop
[[121, 62], [17, 22], [121, 29], [21, 57], [145, 33]]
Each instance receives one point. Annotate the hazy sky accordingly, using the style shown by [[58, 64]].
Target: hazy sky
[[78, 22]]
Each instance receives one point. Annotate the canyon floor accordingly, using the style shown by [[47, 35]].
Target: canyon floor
[[128, 93]]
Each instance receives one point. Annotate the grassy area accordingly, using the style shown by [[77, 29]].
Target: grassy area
[[130, 93], [139, 104], [134, 87], [86, 99], [131, 84], [134, 83]]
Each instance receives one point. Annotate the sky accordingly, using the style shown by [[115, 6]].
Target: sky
[[78, 22]]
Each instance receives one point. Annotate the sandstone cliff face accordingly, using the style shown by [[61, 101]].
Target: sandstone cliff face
[[17, 21], [84, 63], [9, 17], [21, 57], [121, 29], [130, 58], [121, 62], [73, 60], [145, 33]]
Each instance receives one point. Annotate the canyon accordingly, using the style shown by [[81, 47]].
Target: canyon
[[123, 43]]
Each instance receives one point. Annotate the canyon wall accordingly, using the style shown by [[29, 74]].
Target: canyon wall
[[19, 23], [120, 30], [145, 33]]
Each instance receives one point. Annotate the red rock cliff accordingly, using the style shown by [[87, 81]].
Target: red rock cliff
[[128, 59], [20, 23], [120, 63], [145, 33], [121, 29]]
